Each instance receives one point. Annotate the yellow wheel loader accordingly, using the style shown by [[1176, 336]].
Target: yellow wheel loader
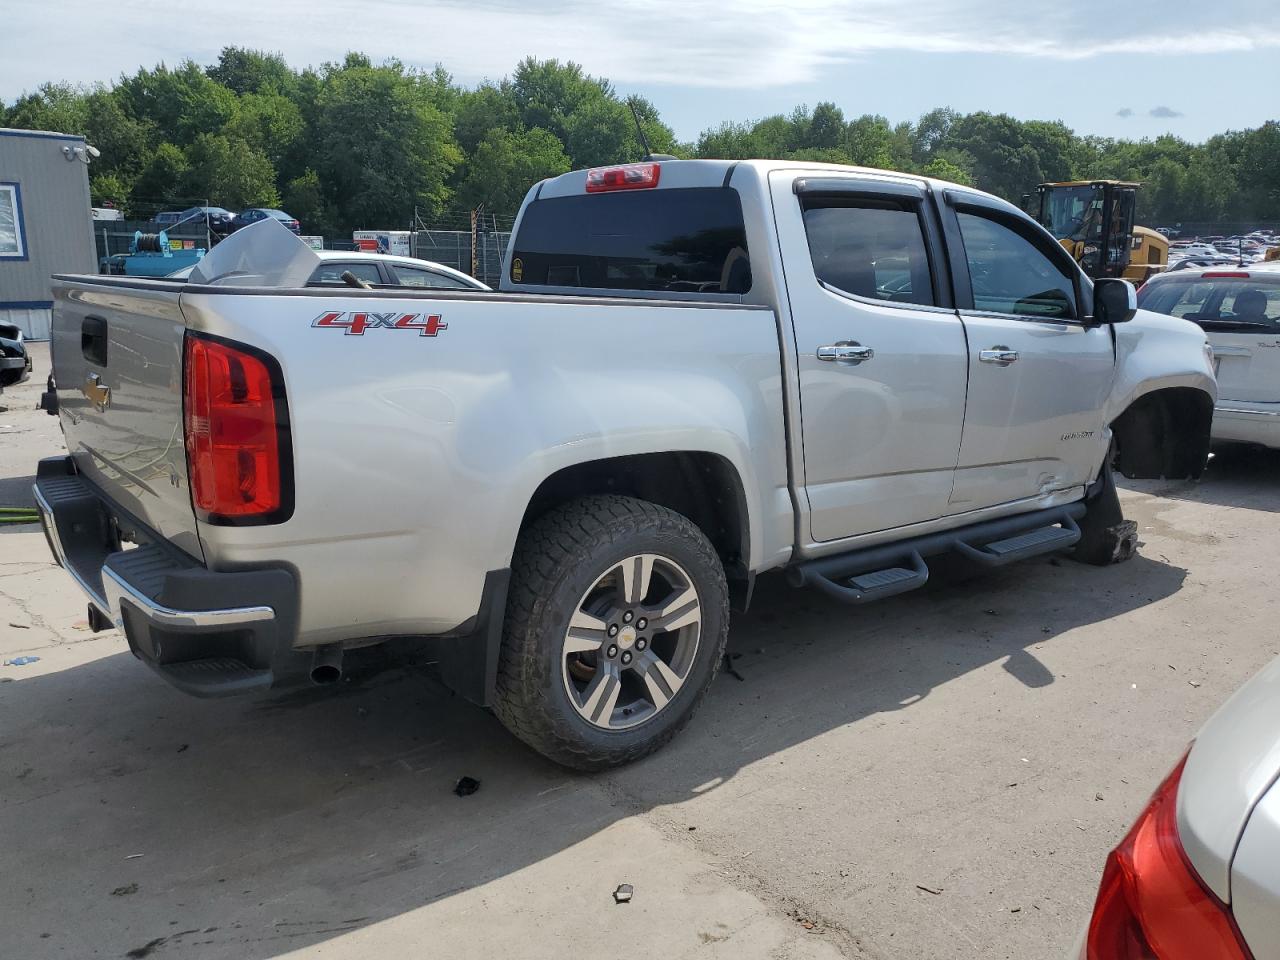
[[1093, 220]]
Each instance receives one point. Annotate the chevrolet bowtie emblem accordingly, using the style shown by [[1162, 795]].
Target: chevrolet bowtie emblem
[[96, 392]]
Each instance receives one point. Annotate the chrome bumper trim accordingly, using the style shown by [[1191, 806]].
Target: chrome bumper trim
[[116, 589]]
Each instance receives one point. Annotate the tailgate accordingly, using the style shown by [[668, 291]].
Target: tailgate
[[117, 363]]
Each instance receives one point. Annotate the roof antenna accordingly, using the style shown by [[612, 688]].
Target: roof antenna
[[644, 141]]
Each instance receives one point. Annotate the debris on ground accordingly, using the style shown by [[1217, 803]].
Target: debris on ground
[[1097, 796], [624, 893], [125, 890], [183, 747], [21, 661], [134, 856], [1193, 683], [466, 786], [19, 626], [935, 892], [728, 668], [1015, 909]]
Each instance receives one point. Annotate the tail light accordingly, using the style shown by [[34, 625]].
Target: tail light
[[237, 433], [1152, 905], [629, 176]]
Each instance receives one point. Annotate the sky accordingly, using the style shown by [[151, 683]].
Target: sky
[[1179, 66]]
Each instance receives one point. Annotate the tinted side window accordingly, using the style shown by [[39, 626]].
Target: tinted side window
[[1010, 274], [419, 277], [331, 273], [871, 248], [684, 240]]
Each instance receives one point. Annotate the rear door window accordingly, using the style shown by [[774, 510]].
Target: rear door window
[[690, 240], [871, 248]]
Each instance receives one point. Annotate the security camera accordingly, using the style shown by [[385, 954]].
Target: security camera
[[93, 151]]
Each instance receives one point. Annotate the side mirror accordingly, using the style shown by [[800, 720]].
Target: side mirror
[[1114, 301]]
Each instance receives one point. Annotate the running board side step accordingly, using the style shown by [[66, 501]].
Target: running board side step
[[873, 573]]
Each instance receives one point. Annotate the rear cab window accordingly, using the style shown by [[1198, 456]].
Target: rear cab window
[[686, 240]]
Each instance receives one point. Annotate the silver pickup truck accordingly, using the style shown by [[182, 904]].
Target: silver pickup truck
[[694, 372]]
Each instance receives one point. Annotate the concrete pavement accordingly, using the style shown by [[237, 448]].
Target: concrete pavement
[[939, 775]]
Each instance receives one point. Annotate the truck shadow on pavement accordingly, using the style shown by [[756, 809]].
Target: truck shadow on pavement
[[139, 821]]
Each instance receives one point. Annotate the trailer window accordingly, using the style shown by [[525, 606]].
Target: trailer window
[[678, 240], [13, 245]]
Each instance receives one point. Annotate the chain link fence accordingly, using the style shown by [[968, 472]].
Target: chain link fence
[[454, 249]]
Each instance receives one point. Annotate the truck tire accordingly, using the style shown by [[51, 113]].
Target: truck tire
[[617, 617]]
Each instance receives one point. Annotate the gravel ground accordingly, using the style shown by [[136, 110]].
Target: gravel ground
[[939, 775]]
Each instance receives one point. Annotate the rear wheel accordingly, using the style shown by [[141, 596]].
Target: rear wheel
[[616, 623]]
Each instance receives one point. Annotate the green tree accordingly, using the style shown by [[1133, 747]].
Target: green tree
[[243, 71], [125, 142], [161, 181], [183, 103], [480, 112], [826, 127], [869, 142], [304, 198], [269, 122], [941, 168], [382, 147], [58, 107], [1004, 162], [505, 165], [109, 190], [728, 141], [230, 173]]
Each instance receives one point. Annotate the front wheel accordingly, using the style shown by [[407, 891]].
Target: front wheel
[[616, 623]]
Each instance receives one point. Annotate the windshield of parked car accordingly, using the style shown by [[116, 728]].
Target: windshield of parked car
[[1241, 302]]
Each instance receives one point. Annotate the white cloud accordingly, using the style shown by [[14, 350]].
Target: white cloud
[[748, 44]]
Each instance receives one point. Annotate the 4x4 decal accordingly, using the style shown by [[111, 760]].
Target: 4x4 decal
[[355, 324]]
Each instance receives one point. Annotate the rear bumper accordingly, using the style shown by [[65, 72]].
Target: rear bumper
[[208, 633], [1238, 421], [14, 369]]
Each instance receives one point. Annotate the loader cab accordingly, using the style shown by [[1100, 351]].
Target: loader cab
[[1094, 222]]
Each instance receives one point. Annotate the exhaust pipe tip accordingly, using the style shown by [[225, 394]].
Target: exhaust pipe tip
[[326, 664]]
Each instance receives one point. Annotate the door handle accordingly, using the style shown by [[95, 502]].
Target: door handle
[[998, 354], [846, 351], [93, 340]]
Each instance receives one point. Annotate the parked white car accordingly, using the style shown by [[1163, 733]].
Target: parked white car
[[1198, 875], [379, 270], [1239, 310], [1192, 249]]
